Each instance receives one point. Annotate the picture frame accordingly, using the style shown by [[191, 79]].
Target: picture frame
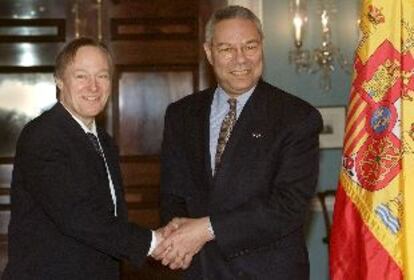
[[332, 134]]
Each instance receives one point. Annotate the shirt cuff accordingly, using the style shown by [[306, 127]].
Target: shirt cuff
[[154, 244], [211, 230]]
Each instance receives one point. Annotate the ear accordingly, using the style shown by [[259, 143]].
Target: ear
[[59, 83], [207, 50]]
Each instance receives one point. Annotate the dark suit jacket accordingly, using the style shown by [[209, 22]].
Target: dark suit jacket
[[259, 196], [62, 223]]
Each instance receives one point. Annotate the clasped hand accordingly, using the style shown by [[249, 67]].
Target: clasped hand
[[181, 239]]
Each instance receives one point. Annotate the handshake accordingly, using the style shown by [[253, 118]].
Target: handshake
[[180, 240]]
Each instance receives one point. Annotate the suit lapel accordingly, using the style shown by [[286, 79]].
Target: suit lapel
[[250, 123], [113, 166], [73, 130], [82, 143], [199, 127]]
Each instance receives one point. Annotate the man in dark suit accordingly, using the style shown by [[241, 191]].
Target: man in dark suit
[[69, 217], [239, 166]]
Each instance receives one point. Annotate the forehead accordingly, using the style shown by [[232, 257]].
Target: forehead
[[90, 56], [235, 30]]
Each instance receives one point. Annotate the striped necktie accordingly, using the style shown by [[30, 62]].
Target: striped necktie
[[95, 143]]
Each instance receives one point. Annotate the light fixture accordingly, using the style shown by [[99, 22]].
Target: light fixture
[[300, 57], [323, 58], [327, 53]]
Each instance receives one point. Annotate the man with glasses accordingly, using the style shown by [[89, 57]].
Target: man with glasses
[[239, 166]]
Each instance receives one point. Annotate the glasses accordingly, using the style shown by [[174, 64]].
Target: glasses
[[228, 51]]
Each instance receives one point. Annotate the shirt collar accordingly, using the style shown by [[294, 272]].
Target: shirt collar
[[241, 99], [93, 129]]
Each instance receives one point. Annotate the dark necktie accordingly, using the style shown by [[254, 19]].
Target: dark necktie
[[225, 130], [95, 143]]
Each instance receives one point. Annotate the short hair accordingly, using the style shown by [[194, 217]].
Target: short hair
[[68, 53], [231, 12]]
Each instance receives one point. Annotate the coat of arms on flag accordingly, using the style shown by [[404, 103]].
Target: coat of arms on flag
[[373, 229]]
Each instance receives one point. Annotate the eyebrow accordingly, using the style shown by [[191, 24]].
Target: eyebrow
[[84, 70], [253, 41], [230, 44]]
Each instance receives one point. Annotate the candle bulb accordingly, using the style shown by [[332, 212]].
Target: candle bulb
[[325, 21], [298, 24]]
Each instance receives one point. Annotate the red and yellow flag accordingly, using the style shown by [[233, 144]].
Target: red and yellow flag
[[372, 234]]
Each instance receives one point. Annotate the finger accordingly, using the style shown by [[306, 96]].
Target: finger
[[161, 248], [178, 260], [176, 263], [164, 254], [169, 257], [187, 261], [168, 230]]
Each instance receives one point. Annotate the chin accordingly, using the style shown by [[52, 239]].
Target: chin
[[93, 112], [243, 88]]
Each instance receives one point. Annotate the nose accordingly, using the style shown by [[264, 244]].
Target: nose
[[93, 84], [240, 55]]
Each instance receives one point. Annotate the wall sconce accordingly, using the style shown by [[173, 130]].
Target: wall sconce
[[322, 58], [301, 58], [327, 53]]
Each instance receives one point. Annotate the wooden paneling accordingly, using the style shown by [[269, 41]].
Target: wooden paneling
[[154, 53], [5, 178], [158, 54], [155, 8], [143, 98], [32, 9], [32, 30], [27, 55], [154, 28], [3, 252], [140, 171]]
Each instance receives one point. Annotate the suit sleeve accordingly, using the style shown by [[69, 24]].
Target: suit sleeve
[[264, 220], [173, 172], [51, 179]]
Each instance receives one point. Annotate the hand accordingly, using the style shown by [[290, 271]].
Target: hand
[[168, 229], [162, 233], [186, 238]]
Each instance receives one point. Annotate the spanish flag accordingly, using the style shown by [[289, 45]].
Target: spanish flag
[[372, 234]]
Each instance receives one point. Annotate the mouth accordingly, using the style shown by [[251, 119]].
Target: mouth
[[91, 98], [240, 72]]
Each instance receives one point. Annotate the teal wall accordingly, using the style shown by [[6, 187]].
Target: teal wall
[[278, 71]]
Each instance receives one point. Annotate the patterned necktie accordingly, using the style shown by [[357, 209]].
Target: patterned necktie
[[95, 144], [225, 130]]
